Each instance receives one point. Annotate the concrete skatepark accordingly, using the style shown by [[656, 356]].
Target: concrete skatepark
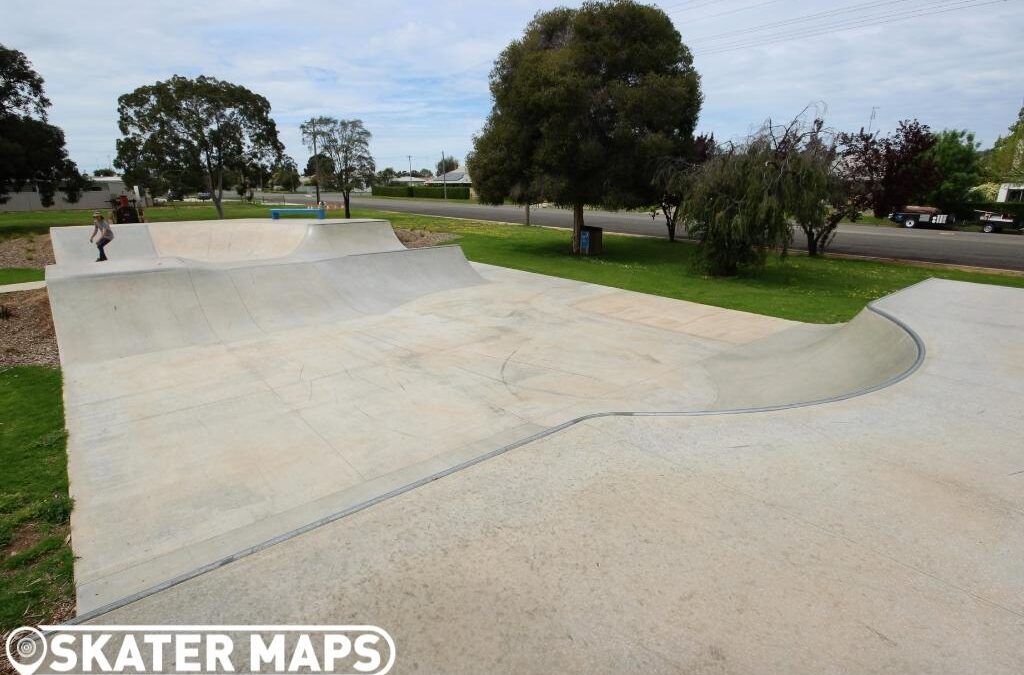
[[304, 422]]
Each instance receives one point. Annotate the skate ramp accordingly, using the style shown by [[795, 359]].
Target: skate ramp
[[245, 239], [214, 405]]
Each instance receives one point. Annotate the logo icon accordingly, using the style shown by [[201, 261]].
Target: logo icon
[[26, 649]]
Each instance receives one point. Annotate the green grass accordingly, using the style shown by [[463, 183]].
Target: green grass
[[18, 275], [816, 290], [37, 580]]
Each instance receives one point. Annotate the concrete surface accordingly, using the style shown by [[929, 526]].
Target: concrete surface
[[878, 534], [292, 411], [24, 286]]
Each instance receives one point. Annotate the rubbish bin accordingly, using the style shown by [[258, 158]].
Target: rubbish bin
[[591, 240]]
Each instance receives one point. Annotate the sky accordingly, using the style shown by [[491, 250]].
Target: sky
[[417, 73]]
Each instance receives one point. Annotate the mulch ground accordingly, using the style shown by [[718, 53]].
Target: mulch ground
[[26, 330], [421, 238], [34, 252]]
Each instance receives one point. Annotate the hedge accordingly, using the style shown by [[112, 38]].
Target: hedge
[[418, 191]]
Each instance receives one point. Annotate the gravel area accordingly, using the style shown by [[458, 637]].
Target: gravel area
[[34, 251], [420, 238], [26, 330]]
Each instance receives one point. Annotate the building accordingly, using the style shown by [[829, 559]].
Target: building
[[1011, 192], [452, 178], [96, 196], [408, 180]]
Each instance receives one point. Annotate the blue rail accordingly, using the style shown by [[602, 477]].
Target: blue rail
[[319, 213]]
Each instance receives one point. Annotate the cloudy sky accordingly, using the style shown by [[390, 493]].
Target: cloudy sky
[[416, 73]]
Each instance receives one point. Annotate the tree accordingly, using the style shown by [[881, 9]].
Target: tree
[[674, 176], [586, 104], [32, 151], [958, 166], [446, 165], [1006, 161], [384, 176], [183, 128], [817, 194], [286, 175], [895, 170], [326, 165], [347, 143]]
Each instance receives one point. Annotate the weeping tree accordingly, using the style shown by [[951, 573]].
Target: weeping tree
[[586, 105], [674, 177]]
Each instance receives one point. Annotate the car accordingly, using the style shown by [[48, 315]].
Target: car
[[203, 195]]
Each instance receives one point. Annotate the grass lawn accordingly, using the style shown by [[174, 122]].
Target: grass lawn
[[817, 290], [18, 275], [36, 573]]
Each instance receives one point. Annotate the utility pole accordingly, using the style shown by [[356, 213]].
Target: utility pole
[[410, 168], [316, 163], [444, 175]]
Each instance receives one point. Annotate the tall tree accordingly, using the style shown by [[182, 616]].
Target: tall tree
[[446, 165], [1006, 161], [586, 104], [958, 166], [32, 151], [286, 174], [895, 170], [195, 127], [347, 143]]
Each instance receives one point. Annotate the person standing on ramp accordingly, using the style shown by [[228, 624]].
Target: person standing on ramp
[[106, 235]]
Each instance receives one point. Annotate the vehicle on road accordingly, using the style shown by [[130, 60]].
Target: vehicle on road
[[996, 222], [203, 195], [913, 216]]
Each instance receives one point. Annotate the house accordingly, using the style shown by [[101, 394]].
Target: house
[[452, 178], [96, 196], [1011, 192], [408, 180]]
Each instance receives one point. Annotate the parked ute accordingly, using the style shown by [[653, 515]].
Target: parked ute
[[912, 216], [996, 222]]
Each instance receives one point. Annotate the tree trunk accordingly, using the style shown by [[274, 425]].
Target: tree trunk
[[670, 222], [577, 227], [345, 194], [216, 195], [812, 243]]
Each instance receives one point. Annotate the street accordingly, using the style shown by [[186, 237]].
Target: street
[[997, 251]]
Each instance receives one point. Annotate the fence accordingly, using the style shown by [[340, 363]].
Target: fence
[[417, 191]]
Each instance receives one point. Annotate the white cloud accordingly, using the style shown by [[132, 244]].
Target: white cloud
[[416, 73]]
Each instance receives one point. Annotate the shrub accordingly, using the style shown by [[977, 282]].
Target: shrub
[[431, 192]]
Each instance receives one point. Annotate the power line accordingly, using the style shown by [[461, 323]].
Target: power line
[[813, 17], [843, 26], [690, 22]]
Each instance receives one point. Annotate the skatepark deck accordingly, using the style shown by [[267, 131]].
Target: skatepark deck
[[231, 399]]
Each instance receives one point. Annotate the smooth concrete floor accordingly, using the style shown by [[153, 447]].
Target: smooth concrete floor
[[878, 534]]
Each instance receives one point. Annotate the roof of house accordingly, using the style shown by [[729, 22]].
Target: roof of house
[[408, 179], [452, 177]]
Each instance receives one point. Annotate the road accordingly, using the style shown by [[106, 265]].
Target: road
[[996, 251]]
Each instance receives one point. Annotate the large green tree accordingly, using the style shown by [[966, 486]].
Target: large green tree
[[959, 168], [182, 129], [32, 151], [1006, 161], [586, 105]]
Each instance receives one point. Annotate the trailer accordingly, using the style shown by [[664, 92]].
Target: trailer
[[912, 216], [996, 222]]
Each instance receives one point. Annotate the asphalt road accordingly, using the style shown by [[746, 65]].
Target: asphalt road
[[997, 251]]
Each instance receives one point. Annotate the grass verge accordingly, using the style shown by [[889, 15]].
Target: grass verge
[[815, 290], [19, 275], [36, 563]]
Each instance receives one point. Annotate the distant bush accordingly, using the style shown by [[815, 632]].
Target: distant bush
[[418, 191]]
